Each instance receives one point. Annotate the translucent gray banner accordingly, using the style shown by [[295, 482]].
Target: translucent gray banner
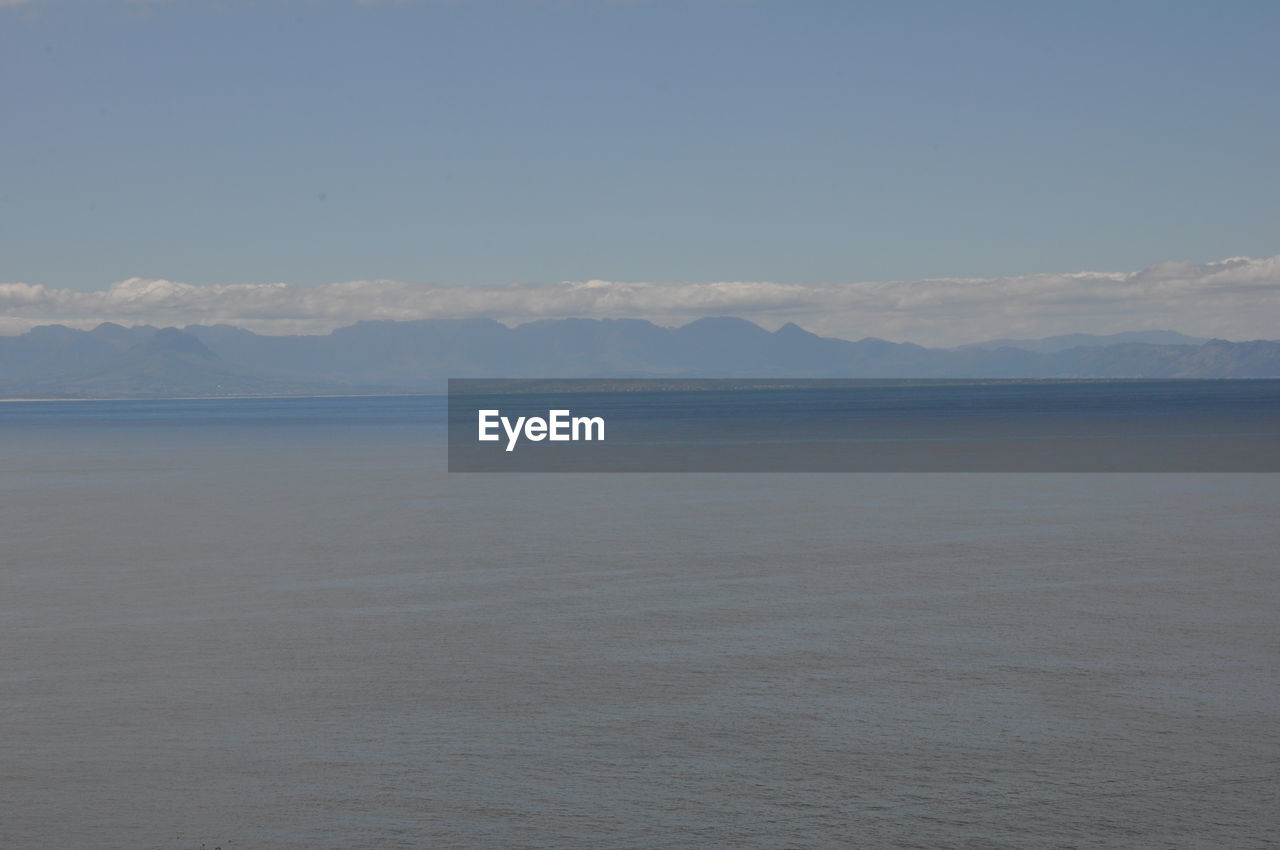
[[696, 425]]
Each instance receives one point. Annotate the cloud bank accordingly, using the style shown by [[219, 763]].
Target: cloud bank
[[1236, 298]]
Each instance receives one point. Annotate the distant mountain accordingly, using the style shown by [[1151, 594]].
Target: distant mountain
[[1068, 341], [372, 357], [422, 352], [417, 354], [112, 361]]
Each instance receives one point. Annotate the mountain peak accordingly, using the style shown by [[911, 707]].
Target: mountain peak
[[791, 329], [721, 325], [174, 341]]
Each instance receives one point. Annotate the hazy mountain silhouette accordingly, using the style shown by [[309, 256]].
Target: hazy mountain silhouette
[[113, 361], [386, 356], [1068, 341]]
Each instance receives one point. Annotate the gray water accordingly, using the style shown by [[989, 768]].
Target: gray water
[[303, 633]]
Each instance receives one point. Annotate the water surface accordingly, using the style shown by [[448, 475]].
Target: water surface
[[281, 624]]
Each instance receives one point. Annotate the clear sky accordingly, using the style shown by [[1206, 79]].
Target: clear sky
[[491, 142]]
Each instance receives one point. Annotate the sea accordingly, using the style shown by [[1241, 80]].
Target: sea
[[282, 624]]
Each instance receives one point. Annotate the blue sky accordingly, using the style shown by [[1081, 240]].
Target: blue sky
[[491, 142]]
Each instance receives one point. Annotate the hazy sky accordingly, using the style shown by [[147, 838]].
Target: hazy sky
[[468, 142]]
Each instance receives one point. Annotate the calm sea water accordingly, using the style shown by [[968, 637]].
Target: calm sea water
[[281, 624]]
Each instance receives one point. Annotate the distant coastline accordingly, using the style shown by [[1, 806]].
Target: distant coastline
[[503, 386], [415, 357]]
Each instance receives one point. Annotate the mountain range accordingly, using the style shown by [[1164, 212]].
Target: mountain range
[[1068, 341], [112, 361]]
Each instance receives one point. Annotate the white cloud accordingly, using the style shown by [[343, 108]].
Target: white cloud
[[1237, 298]]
